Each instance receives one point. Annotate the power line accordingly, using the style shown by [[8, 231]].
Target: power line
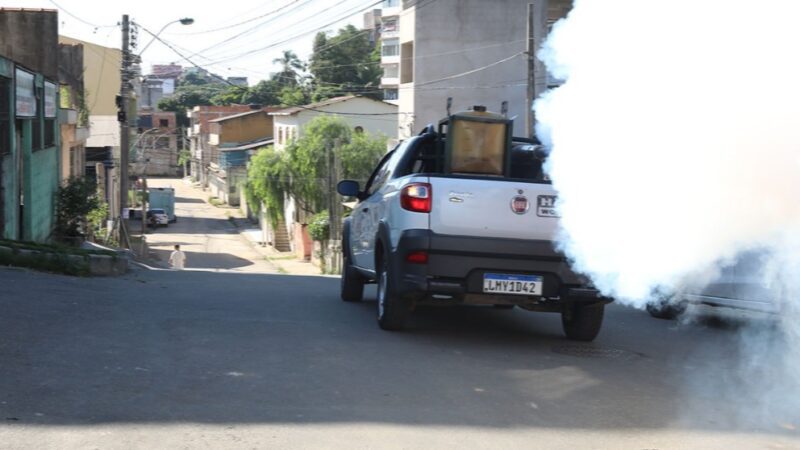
[[233, 38], [65, 11], [337, 20], [253, 19], [469, 72]]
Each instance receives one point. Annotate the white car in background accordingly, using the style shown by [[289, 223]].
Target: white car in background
[[157, 217], [740, 285]]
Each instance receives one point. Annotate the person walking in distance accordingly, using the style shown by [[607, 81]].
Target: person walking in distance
[[177, 259]]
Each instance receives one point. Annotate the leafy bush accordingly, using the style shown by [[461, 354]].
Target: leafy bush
[[75, 202], [319, 227]]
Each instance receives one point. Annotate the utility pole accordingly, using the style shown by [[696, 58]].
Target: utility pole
[[122, 116], [530, 115]]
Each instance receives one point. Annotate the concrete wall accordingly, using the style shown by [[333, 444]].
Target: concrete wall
[[451, 37], [30, 38]]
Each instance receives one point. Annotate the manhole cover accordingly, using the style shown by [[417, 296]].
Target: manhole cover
[[585, 351]]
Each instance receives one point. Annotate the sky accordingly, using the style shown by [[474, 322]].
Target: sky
[[233, 38]]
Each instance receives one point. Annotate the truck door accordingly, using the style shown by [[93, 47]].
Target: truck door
[[364, 222]]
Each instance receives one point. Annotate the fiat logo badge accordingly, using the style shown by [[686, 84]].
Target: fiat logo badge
[[520, 204]]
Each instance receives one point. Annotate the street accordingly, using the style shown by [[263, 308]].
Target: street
[[204, 233], [159, 359]]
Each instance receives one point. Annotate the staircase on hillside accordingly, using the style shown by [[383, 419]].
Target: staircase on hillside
[[281, 238]]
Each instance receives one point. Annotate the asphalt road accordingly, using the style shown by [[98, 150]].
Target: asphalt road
[[205, 359], [204, 233]]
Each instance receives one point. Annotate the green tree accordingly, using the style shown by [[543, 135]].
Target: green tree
[[189, 96], [233, 95], [359, 156], [295, 95], [267, 183], [308, 159], [291, 68], [302, 169], [266, 92], [346, 62]]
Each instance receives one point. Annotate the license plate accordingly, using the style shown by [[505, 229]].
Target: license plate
[[497, 283]]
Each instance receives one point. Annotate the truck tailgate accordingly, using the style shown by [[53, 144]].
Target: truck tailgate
[[483, 207]]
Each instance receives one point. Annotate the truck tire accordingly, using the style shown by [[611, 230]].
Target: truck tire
[[352, 284], [393, 311], [582, 322]]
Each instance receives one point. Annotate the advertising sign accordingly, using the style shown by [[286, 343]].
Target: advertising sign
[[26, 98], [50, 97]]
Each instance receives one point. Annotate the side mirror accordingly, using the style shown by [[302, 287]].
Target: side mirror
[[348, 188]]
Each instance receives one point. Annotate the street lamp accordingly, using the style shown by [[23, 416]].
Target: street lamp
[[184, 21]]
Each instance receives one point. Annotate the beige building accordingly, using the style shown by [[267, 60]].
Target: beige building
[[477, 57], [101, 82], [101, 79], [73, 117]]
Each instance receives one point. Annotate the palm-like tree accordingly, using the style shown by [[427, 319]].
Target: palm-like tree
[[291, 67]]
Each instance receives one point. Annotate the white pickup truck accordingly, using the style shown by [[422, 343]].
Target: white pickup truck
[[438, 223]]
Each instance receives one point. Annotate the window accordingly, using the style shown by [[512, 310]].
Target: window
[[391, 71], [380, 176], [390, 48], [390, 94], [390, 25], [163, 123], [49, 133], [359, 129], [527, 163], [407, 63], [391, 3], [280, 135]]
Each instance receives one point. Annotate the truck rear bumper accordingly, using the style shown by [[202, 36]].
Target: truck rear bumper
[[456, 266]]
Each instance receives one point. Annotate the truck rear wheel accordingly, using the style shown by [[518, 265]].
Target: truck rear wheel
[[352, 284], [582, 322], [393, 311]]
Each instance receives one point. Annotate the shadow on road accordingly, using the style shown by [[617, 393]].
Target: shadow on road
[[196, 225], [200, 260], [202, 347], [188, 200]]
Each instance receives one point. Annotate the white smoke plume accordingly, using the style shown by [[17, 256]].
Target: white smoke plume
[[676, 137], [675, 147]]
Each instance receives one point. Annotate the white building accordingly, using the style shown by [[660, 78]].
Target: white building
[[362, 113], [390, 49], [470, 50]]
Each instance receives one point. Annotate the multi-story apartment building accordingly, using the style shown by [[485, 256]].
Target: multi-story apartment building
[[470, 50], [390, 49]]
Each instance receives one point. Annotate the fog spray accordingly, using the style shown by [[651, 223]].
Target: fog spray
[[675, 149]]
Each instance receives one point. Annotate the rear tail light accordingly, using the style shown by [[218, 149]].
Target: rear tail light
[[417, 197], [419, 257]]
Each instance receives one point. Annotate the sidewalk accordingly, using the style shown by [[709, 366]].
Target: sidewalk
[[285, 262]]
